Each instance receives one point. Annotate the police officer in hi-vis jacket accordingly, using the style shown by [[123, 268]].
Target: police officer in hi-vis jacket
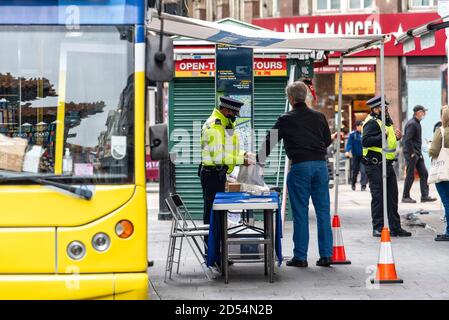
[[220, 151], [372, 154]]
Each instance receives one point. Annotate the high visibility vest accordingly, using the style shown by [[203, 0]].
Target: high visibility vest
[[220, 143], [391, 140]]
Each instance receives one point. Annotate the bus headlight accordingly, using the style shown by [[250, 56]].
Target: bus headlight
[[124, 229], [76, 250], [101, 241]]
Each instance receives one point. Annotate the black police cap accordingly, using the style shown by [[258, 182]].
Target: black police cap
[[229, 103], [376, 102]]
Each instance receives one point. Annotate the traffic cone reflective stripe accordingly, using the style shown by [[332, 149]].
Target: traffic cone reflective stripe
[[386, 270], [338, 251]]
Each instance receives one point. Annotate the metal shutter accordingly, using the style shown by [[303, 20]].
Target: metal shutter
[[192, 100]]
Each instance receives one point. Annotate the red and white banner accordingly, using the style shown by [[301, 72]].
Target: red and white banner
[[362, 24]]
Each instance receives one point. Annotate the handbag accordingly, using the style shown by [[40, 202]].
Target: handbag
[[439, 169]]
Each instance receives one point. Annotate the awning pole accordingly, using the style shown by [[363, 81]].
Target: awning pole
[[337, 157], [384, 138], [286, 109], [287, 160]]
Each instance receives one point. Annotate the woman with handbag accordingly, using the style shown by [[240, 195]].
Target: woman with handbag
[[439, 173]]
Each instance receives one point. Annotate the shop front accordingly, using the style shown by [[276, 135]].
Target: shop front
[[359, 68], [416, 77]]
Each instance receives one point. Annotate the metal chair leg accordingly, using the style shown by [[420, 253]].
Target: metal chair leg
[[169, 261], [179, 255], [172, 254]]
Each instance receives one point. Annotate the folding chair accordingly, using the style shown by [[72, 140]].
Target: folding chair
[[183, 227]]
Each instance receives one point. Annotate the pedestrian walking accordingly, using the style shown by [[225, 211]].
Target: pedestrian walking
[[354, 151], [414, 158], [434, 152], [372, 154], [306, 137], [220, 151]]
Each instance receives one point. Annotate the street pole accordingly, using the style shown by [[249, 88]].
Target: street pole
[[384, 139], [337, 157], [166, 171]]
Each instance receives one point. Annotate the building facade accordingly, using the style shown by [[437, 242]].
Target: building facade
[[418, 77]]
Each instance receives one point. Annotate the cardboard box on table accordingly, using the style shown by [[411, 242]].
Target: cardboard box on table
[[12, 152]]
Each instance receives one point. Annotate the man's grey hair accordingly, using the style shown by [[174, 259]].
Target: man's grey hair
[[297, 90]]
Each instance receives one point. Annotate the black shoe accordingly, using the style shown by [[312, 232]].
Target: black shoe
[[408, 200], [428, 199], [363, 188], [377, 233], [400, 233], [353, 187], [324, 262], [442, 237], [297, 263]]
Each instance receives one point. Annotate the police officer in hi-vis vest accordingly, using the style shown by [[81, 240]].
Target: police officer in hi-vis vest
[[372, 154], [220, 151]]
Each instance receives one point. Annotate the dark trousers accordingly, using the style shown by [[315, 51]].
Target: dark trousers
[[418, 163], [374, 173], [356, 167], [212, 182]]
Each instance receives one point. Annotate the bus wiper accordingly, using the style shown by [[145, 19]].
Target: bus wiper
[[84, 193]]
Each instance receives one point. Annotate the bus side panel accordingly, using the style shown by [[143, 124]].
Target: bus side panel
[[123, 255], [27, 250]]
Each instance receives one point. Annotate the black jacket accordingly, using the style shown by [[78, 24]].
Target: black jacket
[[372, 135], [412, 138], [305, 132]]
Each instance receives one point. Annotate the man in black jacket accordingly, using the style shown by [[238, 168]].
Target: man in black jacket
[[414, 158], [306, 137], [372, 153]]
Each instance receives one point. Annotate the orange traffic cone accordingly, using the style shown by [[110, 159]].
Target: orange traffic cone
[[338, 252], [386, 270]]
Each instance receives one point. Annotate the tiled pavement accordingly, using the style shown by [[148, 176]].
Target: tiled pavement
[[420, 261]]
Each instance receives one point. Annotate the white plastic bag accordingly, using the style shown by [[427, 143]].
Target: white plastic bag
[[439, 169], [252, 174]]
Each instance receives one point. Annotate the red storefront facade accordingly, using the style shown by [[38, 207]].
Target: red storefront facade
[[418, 77], [399, 67]]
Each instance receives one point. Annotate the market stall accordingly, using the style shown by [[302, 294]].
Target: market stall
[[233, 35]]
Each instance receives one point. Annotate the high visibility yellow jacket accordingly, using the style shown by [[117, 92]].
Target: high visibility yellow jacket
[[220, 142], [391, 139]]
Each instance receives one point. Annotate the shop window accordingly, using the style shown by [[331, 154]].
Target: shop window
[[328, 5], [361, 4], [422, 4]]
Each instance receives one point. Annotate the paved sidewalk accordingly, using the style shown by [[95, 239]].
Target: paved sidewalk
[[420, 261]]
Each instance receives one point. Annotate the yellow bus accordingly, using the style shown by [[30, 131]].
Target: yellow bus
[[73, 221]]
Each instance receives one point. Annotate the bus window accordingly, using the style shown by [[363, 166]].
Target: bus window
[[71, 93]]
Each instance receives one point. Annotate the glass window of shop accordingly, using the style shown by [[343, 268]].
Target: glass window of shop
[[360, 4], [422, 3], [357, 89], [326, 5], [88, 73]]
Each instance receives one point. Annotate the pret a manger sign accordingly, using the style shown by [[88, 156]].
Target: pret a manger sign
[[263, 67], [361, 24]]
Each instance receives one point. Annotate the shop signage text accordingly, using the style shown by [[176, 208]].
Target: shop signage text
[[335, 69], [362, 24], [206, 67]]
